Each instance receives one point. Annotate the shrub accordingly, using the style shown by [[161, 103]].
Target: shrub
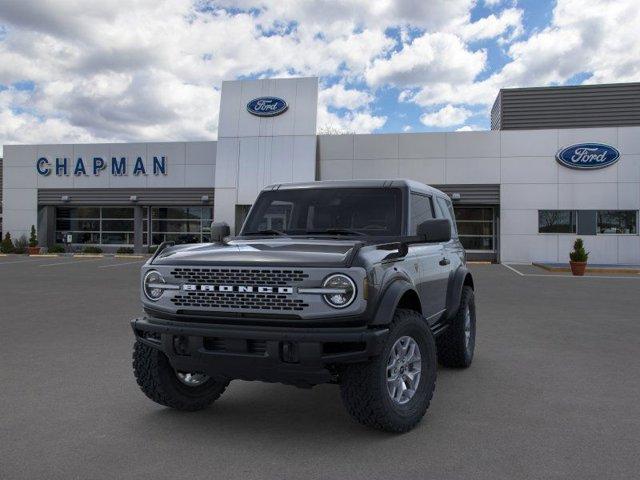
[[125, 250], [7, 244], [91, 249], [579, 254], [20, 245], [57, 248], [153, 248], [33, 238]]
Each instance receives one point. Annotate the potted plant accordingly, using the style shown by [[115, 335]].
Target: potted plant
[[7, 244], [578, 258], [20, 245], [33, 249]]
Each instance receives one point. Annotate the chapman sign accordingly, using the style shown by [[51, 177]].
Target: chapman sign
[[588, 156], [118, 166], [267, 106]]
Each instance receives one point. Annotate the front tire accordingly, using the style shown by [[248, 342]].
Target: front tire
[[457, 344], [379, 393], [162, 384]]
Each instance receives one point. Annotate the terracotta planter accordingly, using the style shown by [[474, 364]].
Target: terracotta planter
[[33, 250], [578, 268]]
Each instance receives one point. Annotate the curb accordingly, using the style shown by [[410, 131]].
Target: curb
[[126, 255], [88, 255], [588, 270]]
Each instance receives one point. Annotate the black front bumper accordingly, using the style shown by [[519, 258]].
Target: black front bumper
[[299, 356]]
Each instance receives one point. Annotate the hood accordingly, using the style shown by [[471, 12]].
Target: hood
[[262, 252]]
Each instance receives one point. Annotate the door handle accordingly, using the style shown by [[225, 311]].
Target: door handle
[[444, 261]]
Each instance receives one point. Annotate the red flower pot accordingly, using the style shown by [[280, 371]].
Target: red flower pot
[[578, 268], [33, 250]]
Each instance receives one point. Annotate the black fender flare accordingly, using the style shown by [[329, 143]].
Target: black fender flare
[[461, 277], [389, 301]]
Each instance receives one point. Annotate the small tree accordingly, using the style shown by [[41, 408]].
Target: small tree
[[579, 254], [7, 244], [33, 237], [20, 245]]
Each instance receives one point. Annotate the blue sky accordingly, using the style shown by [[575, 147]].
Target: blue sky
[[77, 71]]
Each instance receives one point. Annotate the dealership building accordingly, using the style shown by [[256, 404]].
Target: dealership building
[[559, 162]]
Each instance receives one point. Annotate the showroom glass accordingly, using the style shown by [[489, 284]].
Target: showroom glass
[[476, 227], [421, 210], [95, 225], [188, 224], [371, 211], [618, 222], [556, 221]]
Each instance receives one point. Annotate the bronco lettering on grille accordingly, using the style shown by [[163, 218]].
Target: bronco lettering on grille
[[237, 289]]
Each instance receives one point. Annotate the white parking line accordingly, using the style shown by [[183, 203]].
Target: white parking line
[[72, 262], [121, 264], [550, 275], [513, 269]]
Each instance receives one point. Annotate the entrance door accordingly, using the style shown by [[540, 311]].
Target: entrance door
[[477, 230]]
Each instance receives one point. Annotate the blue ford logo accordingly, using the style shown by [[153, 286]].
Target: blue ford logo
[[588, 156], [267, 106]]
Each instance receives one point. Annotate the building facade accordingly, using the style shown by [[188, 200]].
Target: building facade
[[516, 200]]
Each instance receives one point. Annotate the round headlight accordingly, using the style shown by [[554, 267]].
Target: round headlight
[[344, 290], [153, 283]]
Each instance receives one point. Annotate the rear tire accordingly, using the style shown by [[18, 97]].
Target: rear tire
[[160, 382], [457, 343], [364, 386]]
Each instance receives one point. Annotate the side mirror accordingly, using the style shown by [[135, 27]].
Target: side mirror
[[219, 230], [435, 230]]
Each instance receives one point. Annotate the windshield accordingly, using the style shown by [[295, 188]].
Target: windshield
[[336, 211]]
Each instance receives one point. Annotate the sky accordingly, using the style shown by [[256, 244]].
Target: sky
[[74, 71]]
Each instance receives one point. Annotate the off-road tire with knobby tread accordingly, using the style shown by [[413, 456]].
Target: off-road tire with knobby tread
[[158, 381], [363, 385], [452, 351]]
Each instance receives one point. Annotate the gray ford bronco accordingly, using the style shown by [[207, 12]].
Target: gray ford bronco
[[359, 283]]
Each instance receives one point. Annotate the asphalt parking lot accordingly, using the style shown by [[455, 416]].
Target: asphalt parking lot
[[554, 391]]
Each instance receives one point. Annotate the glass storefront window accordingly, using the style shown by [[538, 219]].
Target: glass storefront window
[[556, 221], [95, 225], [618, 221], [476, 228], [180, 224]]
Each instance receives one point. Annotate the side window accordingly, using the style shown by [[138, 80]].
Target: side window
[[447, 210], [421, 210]]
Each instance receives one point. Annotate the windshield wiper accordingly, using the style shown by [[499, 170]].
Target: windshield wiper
[[338, 231], [268, 231]]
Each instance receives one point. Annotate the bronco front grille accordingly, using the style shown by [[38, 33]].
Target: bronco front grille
[[238, 301], [238, 276]]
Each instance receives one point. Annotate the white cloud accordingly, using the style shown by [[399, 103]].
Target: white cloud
[[469, 128], [508, 22], [407, 128], [432, 57], [340, 97], [447, 116]]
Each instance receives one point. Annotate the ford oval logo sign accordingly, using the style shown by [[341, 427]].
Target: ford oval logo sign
[[267, 106], [588, 156]]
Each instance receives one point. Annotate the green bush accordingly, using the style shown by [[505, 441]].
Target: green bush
[[153, 248], [33, 238], [579, 254], [91, 249], [124, 250], [57, 248], [20, 245], [7, 244]]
